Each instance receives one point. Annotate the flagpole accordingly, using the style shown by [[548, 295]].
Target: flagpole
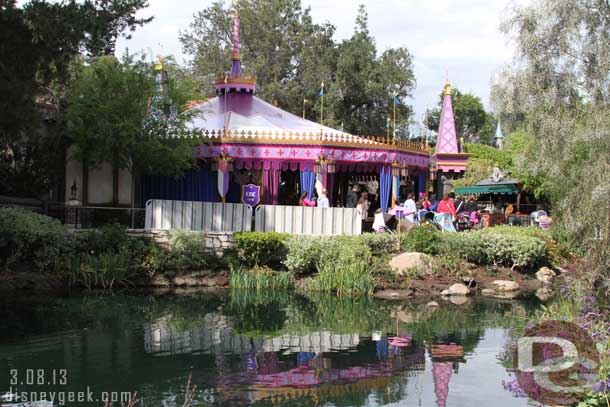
[[304, 100], [394, 104], [322, 110]]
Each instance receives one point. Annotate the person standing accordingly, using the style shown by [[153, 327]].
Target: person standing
[[410, 208], [363, 207], [352, 197], [446, 206], [323, 201]]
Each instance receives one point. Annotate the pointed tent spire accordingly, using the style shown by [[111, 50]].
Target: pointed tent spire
[[236, 69], [499, 134], [499, 137], [447, 135]]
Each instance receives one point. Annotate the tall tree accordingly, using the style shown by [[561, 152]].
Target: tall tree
[[291, 56], [116, 116], [559, 90], [107, 20], [39, 43]]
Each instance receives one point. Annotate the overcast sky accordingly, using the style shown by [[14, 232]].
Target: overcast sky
[[461, 36]]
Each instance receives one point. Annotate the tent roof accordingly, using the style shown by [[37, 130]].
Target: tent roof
[[487, 189], [506, 181]]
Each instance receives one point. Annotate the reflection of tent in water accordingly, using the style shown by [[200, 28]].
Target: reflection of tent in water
[[216, 335], [317, 378], [444, 358]]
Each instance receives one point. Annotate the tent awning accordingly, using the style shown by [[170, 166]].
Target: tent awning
[[487, 189]]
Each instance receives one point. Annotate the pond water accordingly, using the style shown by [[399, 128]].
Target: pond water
[[244, 348]]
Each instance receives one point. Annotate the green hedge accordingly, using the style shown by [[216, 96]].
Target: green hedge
[[510, 246], [262, 248], [32, 241]]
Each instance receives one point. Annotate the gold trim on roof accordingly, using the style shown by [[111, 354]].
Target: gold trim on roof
[[232, 78], [319, 139]]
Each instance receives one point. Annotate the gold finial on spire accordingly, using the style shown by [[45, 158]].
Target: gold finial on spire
[[447, 84], [160, 64]]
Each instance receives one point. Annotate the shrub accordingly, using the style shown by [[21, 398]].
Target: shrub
[[344, 278], [302, 254], [379, 243], [423, 239], [260, 278], [262, 248], [33, 240], [514, 249]]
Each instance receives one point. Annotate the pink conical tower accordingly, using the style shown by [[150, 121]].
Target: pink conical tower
[[448, 157], [235, 81]]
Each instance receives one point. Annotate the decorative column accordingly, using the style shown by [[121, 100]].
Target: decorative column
[[396, 173]]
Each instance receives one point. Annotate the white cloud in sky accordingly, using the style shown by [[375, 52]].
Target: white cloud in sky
[[461, 36]]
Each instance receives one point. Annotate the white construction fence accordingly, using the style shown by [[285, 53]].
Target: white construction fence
[[225, 217]]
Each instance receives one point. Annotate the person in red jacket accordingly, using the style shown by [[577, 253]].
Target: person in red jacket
[[446, 206]]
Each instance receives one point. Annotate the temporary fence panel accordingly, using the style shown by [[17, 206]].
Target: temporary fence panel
[[300, 220], [198, 216]]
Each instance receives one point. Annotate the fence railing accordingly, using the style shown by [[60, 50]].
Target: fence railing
[[301, 220], [199, 216]]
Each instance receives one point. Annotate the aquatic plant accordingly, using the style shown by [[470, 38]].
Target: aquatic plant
[[260, 278], [343, 278]]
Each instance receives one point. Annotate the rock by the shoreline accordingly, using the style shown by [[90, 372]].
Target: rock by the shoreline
[[459, 290], [433, 304], [408, 261], [507, 295], [445, 293], [394, 294], [506, 285], [488, 292], [459, 300], [545, 275]]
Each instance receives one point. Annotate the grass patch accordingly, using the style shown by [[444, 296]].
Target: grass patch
[[344, 279], [260, 278]]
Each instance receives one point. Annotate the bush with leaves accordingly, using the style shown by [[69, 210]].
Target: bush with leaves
[[302, 254], [262, 248], [32, 240], [424, 239]]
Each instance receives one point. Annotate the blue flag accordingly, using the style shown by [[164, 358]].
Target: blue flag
[[322, 89], [396, 100]]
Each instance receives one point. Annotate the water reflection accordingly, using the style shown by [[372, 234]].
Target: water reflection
[[268, 349]]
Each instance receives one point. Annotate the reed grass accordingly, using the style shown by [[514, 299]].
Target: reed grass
[[260, 278], [344, 278]]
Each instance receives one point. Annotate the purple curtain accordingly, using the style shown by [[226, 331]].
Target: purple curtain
[[308, 181], [272, 185], [330, 188], [421, 182], [385, 185]]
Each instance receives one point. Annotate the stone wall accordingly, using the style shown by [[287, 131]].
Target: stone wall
[[215, 241]]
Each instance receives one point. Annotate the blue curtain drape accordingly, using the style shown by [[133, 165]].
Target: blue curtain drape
[[194, 186], [308, 182], [421, 187], [385, 185]]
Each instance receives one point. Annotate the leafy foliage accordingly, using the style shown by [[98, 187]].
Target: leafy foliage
[[557, 91], [110, 121], [424, 239], [33, 241], [261, 248]]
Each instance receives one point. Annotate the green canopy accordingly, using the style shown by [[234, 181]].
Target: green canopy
[[487, 189]]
